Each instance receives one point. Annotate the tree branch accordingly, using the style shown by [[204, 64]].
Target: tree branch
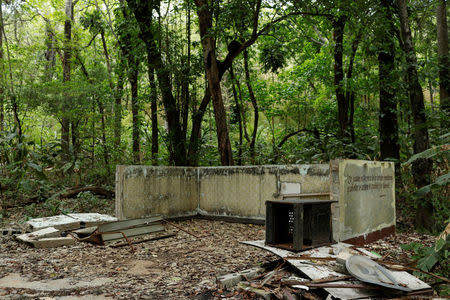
[[284, 140]]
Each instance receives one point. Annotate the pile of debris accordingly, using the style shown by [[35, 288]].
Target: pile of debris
[[339, 271], [63, 230]]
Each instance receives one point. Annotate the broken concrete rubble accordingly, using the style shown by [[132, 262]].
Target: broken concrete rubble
[[128, 228], [49, 237], [51, 232], [67, 229], [230, 280], [320, 263]]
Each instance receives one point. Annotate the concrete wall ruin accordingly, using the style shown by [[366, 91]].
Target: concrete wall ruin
[[221, 191], [364, 192]]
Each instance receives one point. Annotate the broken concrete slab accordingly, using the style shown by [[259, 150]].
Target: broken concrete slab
[[48, 232], [10, 231], [93, 219], [54, 242], [69, 221], [49, 237], [60, 222], [16, 281]]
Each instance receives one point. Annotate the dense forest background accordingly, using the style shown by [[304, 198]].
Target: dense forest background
[[89, 84]]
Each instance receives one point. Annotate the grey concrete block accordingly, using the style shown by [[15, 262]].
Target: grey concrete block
[[70, 221], [42, 233], [54, 242]]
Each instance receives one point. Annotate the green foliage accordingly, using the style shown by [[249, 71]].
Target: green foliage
[[87, 202], [430, 258], [272, 56], [429, 153], [292, 75]]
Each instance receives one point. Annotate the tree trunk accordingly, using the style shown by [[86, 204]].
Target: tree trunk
[[430, 90], [118, 101], [238, 114], [197, 118], [350, 92], [101, 111], [133, 79], [255, 107], [177, 141], [2, 69], [343, 105], [50, 52], [186, 74], [388, 127], [421, 168], [213, 77], [65, 120], [444, 62], [154, 114]]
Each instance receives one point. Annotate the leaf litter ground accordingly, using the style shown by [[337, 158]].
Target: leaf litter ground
[[181, 267]]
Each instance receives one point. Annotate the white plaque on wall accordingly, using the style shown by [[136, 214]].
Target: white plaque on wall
[[290, 188]]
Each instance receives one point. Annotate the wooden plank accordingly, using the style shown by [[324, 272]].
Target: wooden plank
[[130, 232], [117, 226]]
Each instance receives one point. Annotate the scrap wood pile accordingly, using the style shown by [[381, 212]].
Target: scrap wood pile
[[68, 229], [338, 271]]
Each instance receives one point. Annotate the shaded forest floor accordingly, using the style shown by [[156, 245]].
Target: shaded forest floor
[[180, 267]]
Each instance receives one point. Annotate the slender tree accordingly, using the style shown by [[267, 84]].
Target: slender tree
[[126, 39], [421, 168], [211, 65], [118, 94], [65, 120], [255, 107], [343, 105], [2, 89], [444, 61], [388, 125], [177, 142]]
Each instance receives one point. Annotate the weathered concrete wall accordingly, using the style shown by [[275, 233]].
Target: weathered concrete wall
[[364, 191], [224, 191], [146, 190], [366, 194], [242, 191]]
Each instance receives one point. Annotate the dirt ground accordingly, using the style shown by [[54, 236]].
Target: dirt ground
[[181, 267]]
